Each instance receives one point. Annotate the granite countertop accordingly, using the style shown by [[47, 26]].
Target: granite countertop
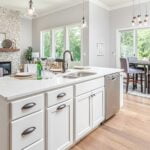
[[12, 89]]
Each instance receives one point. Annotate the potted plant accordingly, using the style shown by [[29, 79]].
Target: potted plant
[[28, 54]]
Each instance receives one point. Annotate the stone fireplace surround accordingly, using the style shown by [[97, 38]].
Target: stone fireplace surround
[[10, 24]]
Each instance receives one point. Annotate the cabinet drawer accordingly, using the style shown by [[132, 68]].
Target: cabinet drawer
[[27, 106], [88, 86], [36, 146], [60, 95], [26, 131]]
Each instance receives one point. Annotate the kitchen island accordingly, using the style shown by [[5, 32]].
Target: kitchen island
[[52, 114]]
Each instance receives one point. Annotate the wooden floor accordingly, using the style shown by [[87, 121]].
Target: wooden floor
[[128, 130]]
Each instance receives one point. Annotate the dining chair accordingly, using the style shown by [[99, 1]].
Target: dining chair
[[131, 73], [1, 72]]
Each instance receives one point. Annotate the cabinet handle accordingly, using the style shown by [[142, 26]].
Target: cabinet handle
[[28, 131], [61, 95], [61, 107], [28, 106]]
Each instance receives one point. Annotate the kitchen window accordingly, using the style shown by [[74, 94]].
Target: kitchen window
[[55, 41], [135, 42], [46, 44]]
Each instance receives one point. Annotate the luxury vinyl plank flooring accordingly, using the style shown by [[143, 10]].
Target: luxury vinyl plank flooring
[[128, 130]]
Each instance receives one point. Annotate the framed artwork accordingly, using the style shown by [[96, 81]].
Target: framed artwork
[[2, 38]]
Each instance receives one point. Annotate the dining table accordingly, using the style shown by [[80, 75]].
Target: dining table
[[146, 66]]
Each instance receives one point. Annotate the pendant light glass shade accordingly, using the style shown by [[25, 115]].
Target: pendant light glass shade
[[31, 9], [84, 23]]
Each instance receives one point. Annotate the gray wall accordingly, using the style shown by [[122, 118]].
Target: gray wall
[[25, 36], [68, 16], [120, 18], [98, 33]]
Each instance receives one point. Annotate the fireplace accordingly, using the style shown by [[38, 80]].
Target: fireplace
[[6, 66]]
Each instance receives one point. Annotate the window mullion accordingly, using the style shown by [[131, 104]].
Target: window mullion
[[66, 41], [134, 46], [42, 41], [53, 44], [136, 42]]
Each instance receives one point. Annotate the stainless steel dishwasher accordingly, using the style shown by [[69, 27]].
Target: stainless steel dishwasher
[[112, 95]]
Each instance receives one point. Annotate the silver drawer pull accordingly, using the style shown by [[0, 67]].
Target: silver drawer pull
[[28, 106], [61, 107], [28, 131], [61, 95]]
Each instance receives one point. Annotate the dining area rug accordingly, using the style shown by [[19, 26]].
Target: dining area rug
[[136, 92]]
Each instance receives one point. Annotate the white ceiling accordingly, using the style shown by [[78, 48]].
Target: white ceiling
[[42, 6], [47, 6], [115, 3]]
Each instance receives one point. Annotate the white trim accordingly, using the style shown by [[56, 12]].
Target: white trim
[[66, 39], [133, 28], [100, 4], [128, 4], [117, 48], [96, 2], [57, 10], [118, 31]]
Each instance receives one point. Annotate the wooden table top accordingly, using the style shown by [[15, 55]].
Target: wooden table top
[[141, 62]]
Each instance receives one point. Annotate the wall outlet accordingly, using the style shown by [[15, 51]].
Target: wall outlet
[[100, 49]]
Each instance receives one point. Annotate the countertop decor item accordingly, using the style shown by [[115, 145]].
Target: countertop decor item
[[28, 54], [23, 74], [7, 43]]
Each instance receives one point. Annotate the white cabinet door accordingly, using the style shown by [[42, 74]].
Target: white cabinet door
[[98, 107], [82, 116], [60, 126]]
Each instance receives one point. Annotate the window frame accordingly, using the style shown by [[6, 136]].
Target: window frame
[[66, 40], [135, 41]]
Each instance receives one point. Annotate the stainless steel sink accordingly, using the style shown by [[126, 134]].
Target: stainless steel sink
[[78, 75]]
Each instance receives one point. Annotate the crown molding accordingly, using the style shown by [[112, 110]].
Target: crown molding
[[96, 2], [128, 4], [57, 10], [100, 4]]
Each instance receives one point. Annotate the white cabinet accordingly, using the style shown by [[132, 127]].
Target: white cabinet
[[98, 107], [26, 131], [36, 146], [83, 115], [89, 112], [60, 126]]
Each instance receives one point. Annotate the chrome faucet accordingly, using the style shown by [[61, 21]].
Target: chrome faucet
[[65, 64]]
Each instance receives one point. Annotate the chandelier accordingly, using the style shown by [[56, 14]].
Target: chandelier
[[139, 19]]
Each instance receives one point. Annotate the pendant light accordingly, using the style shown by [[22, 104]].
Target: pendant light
[[140, 20], [139, 15], [84, 23], [134, 17], [31, 9], [146, 17]]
